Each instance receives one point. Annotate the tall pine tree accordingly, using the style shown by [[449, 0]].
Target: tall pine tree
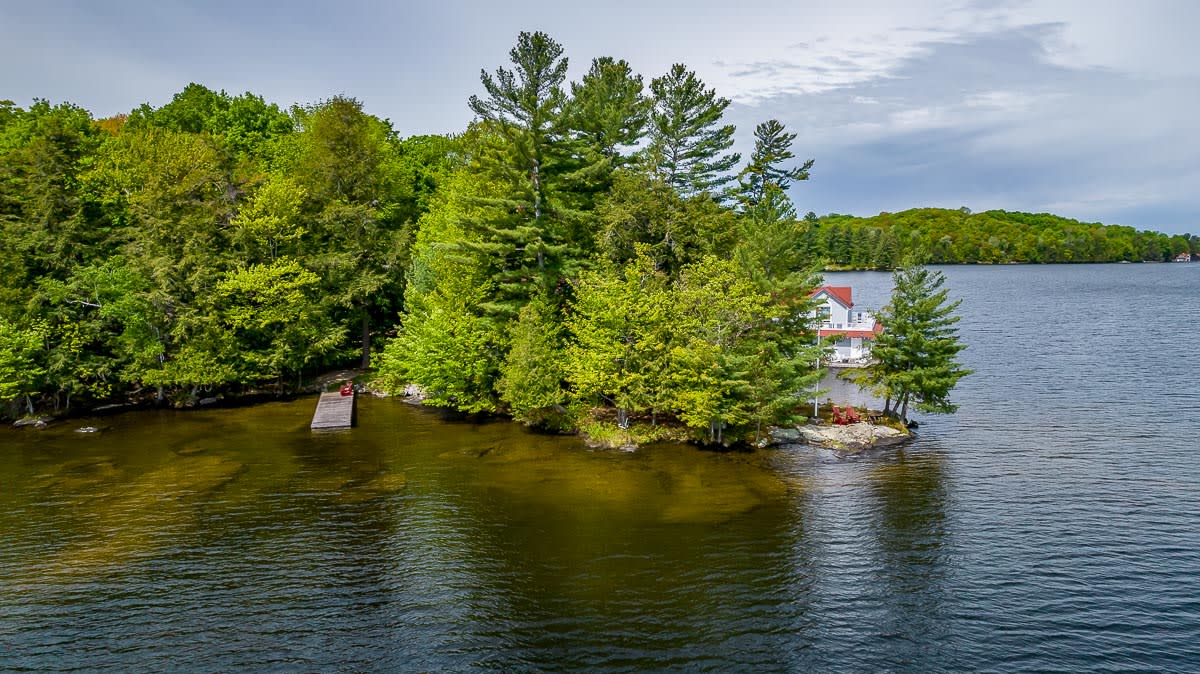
[[531, 230], [608, 110], [915, 356], [772, 147], [688, 143]]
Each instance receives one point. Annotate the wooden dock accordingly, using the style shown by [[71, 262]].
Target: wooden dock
[[334, 410]]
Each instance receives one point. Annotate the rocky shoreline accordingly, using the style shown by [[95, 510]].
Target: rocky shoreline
[[850, 438]]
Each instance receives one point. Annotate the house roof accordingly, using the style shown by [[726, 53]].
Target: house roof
[[843, 295], [866, 334]]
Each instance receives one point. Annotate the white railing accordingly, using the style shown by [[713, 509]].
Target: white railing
[[864, 325]]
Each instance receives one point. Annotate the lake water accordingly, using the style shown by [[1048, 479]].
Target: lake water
[[1052, 524]]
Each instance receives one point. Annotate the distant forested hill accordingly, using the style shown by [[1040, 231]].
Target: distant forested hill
[[956, 236]]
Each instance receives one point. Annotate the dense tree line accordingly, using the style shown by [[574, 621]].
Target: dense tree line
[[215, 242], [958, 236], [581, 246], [593, 251]]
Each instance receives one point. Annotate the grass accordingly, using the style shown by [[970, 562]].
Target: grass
[[608, 434]]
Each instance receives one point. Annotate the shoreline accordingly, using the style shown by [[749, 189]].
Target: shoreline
[[595, 431]]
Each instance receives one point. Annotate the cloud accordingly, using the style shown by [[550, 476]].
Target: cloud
[[1025, 104], [990, 120]]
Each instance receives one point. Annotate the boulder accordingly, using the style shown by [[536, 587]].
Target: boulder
[[414, 394], [853, 437]]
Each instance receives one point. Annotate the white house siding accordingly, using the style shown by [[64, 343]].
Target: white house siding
[[838, 316]]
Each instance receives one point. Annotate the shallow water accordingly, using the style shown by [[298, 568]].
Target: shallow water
[[1053, 523]]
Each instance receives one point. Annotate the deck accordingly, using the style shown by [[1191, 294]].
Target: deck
[[334, 410]]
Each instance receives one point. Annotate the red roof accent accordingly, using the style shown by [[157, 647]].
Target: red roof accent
[[843, 295]]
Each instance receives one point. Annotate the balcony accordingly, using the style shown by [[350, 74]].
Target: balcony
[[867, 324]]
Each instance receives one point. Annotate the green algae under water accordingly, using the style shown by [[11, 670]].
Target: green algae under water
[[1052, 524]]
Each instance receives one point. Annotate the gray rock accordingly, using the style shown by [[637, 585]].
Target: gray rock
[[36, 422], [785, 436], [207, 401], [87, 429], [414, 394], [853, 437]]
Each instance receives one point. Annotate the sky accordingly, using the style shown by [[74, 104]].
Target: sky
[[1084, 108]]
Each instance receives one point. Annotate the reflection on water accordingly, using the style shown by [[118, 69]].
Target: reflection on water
[[415, 540], [1037, 529]]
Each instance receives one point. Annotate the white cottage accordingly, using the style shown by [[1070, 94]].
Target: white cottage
[[850, 330]]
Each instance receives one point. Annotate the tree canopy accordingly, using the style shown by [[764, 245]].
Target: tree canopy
[[580, 248]]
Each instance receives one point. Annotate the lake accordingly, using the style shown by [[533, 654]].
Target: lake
[[1053, 523]]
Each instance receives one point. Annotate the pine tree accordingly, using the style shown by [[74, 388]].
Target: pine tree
[[772, 147], [687, 140], [915, 355], [532, 229], [782, 349], [608, 110]]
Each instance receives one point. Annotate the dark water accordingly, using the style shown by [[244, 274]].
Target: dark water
[[1052, 524]]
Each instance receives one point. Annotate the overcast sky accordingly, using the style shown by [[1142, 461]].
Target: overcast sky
[[1083, 108]]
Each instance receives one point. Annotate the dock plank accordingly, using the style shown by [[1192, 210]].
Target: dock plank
[[334, 410]]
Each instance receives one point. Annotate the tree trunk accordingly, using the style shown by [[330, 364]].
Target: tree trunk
[[366, 340], [622, 418], [29, 404], [904, 409]]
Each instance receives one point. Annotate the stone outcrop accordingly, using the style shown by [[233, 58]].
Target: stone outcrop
[[851, 437]]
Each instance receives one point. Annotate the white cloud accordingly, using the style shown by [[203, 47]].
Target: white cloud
[[1147, 38]]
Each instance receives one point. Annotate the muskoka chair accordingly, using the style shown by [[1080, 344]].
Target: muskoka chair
[[844, 416]]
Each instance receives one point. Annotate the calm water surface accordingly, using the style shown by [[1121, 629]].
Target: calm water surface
[[1052, 524]]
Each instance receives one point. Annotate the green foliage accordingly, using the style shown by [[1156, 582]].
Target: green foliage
[[20, 371], [447, 348], [346, 163], [958, 236], [622, 324], [643, 211], [531, 377], [688, 143], [273, 313], [271, 218], [712, 350], [445, 343], [530, 231], [914, 357], [215, 241], [772, 147], [242, 126], [608, 110]]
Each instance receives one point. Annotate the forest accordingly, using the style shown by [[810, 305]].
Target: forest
[[958, 236], [582, 250]]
